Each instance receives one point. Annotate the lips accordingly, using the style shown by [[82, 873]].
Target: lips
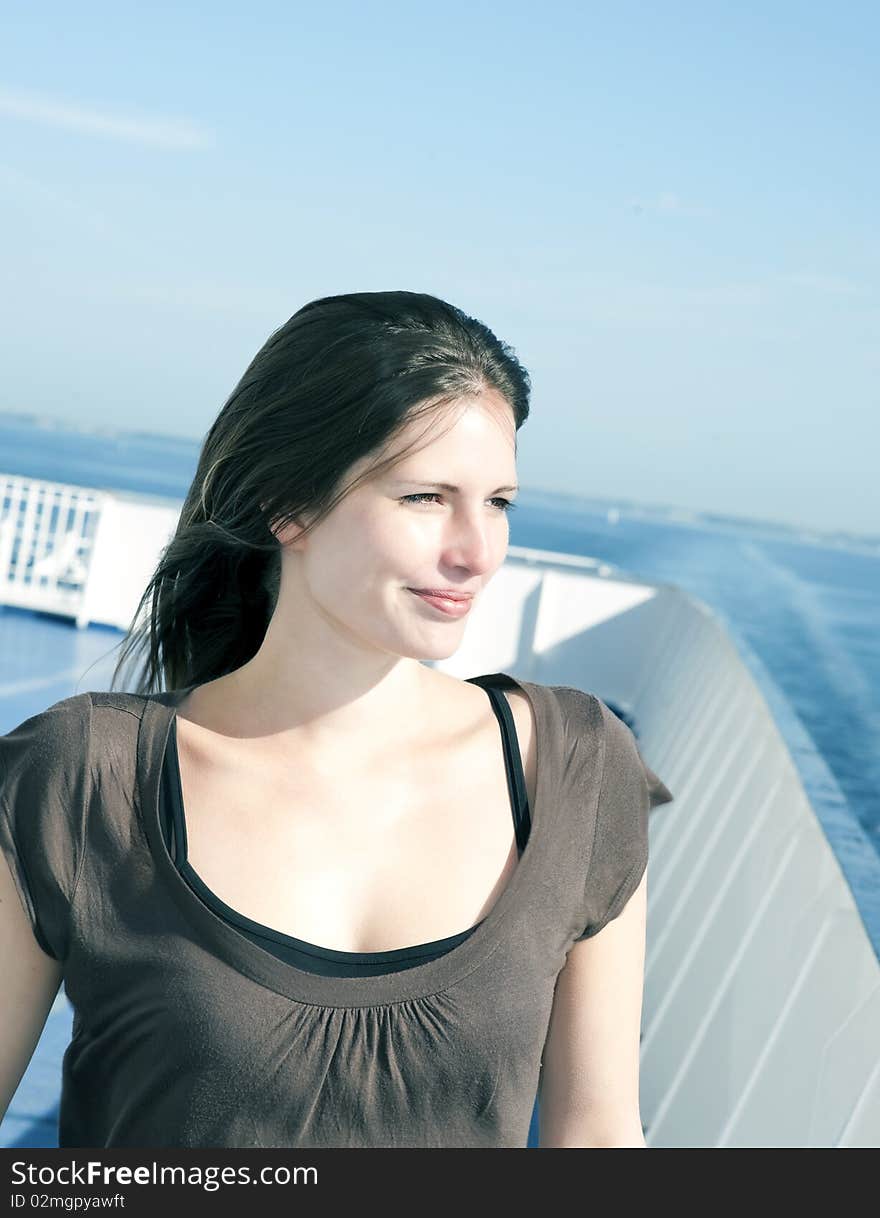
[[460, 606], [445, 593]]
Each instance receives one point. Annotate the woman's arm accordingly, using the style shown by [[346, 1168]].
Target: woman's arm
[[588, 1093], [31, 979]]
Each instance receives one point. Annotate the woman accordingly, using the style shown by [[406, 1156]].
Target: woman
[[317, 892]]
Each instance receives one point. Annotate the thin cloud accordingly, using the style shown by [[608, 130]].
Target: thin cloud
[[160, 133], [667, 203]]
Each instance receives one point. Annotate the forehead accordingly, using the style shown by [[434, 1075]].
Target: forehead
[[481, 428]]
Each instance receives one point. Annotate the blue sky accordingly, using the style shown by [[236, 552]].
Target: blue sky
[[670, 211]]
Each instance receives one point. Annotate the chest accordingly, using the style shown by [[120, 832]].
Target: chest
[[362, 862]]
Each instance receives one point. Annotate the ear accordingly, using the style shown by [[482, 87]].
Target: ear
[[287, 534]]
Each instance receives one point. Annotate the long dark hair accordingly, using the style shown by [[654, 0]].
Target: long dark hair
[[334, 383]]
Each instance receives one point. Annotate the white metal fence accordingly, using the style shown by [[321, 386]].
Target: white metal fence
[[61, 548], [47, 533]]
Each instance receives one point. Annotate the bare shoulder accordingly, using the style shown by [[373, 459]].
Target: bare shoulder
[[467, 697], [463, 695]]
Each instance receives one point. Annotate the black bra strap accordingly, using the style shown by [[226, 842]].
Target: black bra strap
[[173, 800], [516, 782]]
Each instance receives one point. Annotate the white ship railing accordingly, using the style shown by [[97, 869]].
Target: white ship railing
[[60, 548], [47, 535]]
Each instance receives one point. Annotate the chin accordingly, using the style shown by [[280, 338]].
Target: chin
[[439, 653]]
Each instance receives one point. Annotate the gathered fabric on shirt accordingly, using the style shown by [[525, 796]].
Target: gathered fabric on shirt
[[331, 962], [187, 1032]]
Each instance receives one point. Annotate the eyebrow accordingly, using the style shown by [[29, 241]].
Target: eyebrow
[[447, 486]]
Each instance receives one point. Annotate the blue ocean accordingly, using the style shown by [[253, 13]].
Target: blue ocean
[[808, 605]]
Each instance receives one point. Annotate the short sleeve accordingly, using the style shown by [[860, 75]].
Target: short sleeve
[[629, 790], [43, 799]]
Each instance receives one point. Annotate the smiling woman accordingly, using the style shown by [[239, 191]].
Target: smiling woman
[[351, 392], [362, 879]]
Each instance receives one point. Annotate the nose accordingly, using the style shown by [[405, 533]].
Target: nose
[[474, 540]]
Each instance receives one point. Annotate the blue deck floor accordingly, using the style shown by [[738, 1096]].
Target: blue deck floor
[[44, 658]]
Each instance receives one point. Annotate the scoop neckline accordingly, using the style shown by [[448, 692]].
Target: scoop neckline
[[242, 921], [287, 979]]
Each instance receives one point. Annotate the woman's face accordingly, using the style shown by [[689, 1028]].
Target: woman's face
[[402, 530]]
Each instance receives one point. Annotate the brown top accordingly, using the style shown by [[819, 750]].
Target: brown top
[[186, 1033]]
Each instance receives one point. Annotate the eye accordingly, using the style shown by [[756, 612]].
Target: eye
[[506, 505]]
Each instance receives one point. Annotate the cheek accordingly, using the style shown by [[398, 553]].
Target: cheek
[[365, 555]]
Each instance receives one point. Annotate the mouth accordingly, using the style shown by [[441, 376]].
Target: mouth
[[452, 606], [443, 594]]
